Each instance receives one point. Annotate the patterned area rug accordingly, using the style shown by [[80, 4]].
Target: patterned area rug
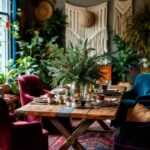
[[90, 140]]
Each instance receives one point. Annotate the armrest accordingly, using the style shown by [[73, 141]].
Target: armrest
[[45, 91], [146, 97], [28, 98], [129, 94], [145, 100]]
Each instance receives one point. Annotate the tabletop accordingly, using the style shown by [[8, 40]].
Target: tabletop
[[60, 110]]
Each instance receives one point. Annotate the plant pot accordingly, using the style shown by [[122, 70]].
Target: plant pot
[[6, 88], [145, 65]]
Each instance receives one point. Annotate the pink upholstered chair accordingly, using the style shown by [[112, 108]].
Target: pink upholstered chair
[[31, 86], [20, 135]]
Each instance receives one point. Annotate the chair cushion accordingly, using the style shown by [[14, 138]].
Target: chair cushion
[[139, 114]]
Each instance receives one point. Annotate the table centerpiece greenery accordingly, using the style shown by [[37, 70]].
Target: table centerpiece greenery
[[74, 64]]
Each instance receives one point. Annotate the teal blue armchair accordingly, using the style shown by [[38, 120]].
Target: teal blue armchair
[[140, 92]]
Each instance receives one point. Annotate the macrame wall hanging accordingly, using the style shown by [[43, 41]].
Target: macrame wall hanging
[[122, 10], [87, 23]]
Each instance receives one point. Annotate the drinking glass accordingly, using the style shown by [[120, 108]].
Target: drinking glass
[[108, 83]]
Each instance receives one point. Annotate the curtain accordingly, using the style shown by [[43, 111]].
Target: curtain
[[13, 18]]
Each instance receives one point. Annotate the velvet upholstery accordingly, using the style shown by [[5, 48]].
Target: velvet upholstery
[[20, 136], [132, 136], [31, 86], [140, 92]]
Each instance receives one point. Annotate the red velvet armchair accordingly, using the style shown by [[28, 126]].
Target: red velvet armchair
[[31, 86], [20, 135]]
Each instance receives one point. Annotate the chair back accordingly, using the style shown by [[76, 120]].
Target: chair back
[[142, 84], [31, 85]]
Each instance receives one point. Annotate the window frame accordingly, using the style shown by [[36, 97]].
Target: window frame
[[6, 48]]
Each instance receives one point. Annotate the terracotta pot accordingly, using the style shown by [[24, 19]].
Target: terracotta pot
[[6, 88]]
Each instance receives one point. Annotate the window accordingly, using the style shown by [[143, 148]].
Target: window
[[4, 34]]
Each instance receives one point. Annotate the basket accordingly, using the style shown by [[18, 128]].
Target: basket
[[86, 18], [44, 10]]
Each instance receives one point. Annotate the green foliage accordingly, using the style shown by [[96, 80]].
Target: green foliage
[[34, 43], [123, 59], [138, 30], [15, 28], [2, 78], [73, 64], [10, 78], [33, 59]]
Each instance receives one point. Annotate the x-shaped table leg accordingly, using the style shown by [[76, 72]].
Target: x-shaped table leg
[[104, 126], [71, 138]]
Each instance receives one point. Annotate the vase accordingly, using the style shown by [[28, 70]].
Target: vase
[[74, 89], [77, 90], [82, 91]]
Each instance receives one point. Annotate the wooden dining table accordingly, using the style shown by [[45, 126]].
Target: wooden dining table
[[87, 116]]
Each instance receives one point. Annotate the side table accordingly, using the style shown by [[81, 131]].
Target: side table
[[12, 101]]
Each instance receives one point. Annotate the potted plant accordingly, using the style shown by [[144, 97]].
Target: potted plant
[[123, 60], [74, 64], [7, 80], [3, 83], [33, 58], [137, 35], [34, 45], [10, 78]]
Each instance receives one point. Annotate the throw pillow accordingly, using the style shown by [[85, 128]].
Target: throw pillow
[[139, 114]]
